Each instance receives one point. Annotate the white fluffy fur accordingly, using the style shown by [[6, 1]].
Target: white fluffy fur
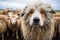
[[36, 14], [36, 32]]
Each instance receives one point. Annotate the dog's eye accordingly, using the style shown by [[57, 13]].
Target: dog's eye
[[22, 14], [18, 14], [31, 11], [42, 11]]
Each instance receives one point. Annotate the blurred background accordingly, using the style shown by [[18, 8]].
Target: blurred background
[[12, 8], [20, 4]]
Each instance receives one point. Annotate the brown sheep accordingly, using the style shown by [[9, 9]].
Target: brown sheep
[[1, 12], [4, 18], [3, 28], [14, 24], [57, 27], [6, 11]]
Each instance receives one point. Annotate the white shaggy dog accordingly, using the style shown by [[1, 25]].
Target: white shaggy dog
[[37, 22]]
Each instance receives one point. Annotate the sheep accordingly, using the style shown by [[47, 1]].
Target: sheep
[[17, 12], [4, 18], [14, 24], [1, 12], [6, 11], [3, 28], [57, 22], [57, 27]]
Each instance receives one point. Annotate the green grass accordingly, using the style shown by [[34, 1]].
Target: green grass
[[57, 10]]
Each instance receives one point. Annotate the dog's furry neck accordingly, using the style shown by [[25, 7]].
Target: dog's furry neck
[[37, 33]]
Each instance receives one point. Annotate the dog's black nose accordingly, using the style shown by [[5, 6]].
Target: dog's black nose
[[36, 20]]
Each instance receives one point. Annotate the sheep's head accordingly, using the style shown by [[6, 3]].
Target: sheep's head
[[13, 18]]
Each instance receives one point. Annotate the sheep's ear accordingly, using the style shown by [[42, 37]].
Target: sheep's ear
[[10, 13]]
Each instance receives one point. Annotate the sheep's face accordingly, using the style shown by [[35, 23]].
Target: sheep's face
[[13, 19]]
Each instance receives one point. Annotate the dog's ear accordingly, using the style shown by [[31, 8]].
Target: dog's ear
[[48, 8], [23, 12], [52, 11]]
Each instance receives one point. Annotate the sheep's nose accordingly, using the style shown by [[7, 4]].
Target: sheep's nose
[[36, 20]]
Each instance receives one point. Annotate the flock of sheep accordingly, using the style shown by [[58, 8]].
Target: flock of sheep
[[9, 21], [10, 25]]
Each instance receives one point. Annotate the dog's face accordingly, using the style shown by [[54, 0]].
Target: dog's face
[[35, 16]]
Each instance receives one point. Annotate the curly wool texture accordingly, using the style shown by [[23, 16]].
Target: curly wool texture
[[14, 27], [3, 27]]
